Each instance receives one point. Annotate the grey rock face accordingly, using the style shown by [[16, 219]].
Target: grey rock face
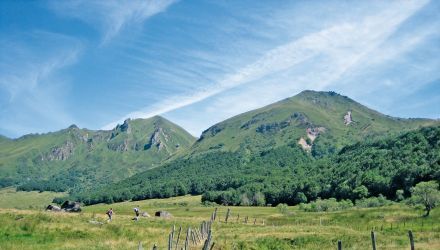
[[60, 153]]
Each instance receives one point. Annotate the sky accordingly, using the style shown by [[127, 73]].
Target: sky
[[96, 63]]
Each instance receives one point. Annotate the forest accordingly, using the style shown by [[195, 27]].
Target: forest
[[287, 174]]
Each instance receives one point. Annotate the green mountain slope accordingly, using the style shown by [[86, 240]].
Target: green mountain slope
[[325, 121], [272, 151], [76, 158]]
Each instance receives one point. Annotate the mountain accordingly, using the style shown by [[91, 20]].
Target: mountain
[[77, 159], [321, 122], [272, 152], [4, 139]]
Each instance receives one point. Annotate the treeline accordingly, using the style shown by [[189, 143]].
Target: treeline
[[288, 175]]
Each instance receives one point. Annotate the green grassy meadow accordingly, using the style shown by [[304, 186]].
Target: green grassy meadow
[[10, 198], [35, 229]]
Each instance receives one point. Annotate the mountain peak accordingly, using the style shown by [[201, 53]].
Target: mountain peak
[[308, 93]]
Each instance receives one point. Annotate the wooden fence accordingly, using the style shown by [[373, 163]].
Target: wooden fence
[[199, 236], [373, 240]]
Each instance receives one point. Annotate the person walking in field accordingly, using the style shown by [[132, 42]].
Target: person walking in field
[[109, 214], [136, 211]]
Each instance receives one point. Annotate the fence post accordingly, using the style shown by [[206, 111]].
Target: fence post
[[194, 237], [373, 240], [411, 239], [208, 241], [227, 215], [238, 217], [339, 245], [187, 238], [140, 246], [178, 237], [170, 241], [215, 213], [255, 221]]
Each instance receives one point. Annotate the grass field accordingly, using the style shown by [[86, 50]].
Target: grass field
[[9, 198], [36, 229]]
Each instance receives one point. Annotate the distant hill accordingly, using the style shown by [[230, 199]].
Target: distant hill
[[322, 122], [78, 159], [273, 151]]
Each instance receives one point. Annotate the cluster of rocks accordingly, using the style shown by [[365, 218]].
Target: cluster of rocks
[[60, 153], [67, 206]]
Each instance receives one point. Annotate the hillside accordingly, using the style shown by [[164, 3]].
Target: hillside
[[76, 158], [275, 154], [322, 122]]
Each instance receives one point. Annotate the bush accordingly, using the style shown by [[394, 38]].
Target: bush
[[379, 201], [282, 208], [209, 204], [326, 205]]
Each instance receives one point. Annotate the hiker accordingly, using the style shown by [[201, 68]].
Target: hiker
[[109, 214], [136, 211]]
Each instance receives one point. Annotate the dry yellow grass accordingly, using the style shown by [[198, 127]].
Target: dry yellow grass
[[33, 229]]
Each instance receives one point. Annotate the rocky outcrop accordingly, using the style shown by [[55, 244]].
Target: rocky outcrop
[[312, 134], [68, 206], [60, 153], [53, 208], [347, 118], [71, 206], [121, 147], [212, 131], [304, 144], [300, 118], [124, 127], [156, 140], [163, 214], [272, 127]]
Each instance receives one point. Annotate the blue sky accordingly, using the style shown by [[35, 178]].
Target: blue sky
[[96, 63]]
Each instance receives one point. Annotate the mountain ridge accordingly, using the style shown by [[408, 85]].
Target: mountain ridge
[[287, 138], [65, 153]]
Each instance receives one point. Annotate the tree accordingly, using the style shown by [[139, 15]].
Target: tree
[[259, 199], [300, 197], [400, 195], [360, 192], [426, 194]]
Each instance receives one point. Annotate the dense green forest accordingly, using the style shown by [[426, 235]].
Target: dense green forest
[[288, 174]]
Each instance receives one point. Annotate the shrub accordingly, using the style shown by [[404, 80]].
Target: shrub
[[379, 201], [326, 205], [282, 208]]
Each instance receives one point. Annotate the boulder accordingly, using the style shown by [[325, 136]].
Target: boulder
[[71, 206], [53, 208], [163, 214]]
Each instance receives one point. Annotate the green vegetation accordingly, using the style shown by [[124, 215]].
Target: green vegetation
[[287, 174], [10, 198], [326, 205], [426, 194], [294, 229], [314, 145], [78, 159]]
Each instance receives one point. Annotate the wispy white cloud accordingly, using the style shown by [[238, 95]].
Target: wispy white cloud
[[317, 59], [111, 16], [30, 82]]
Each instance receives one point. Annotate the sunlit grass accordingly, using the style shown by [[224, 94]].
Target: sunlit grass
[[32, 229], [9, 198]]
